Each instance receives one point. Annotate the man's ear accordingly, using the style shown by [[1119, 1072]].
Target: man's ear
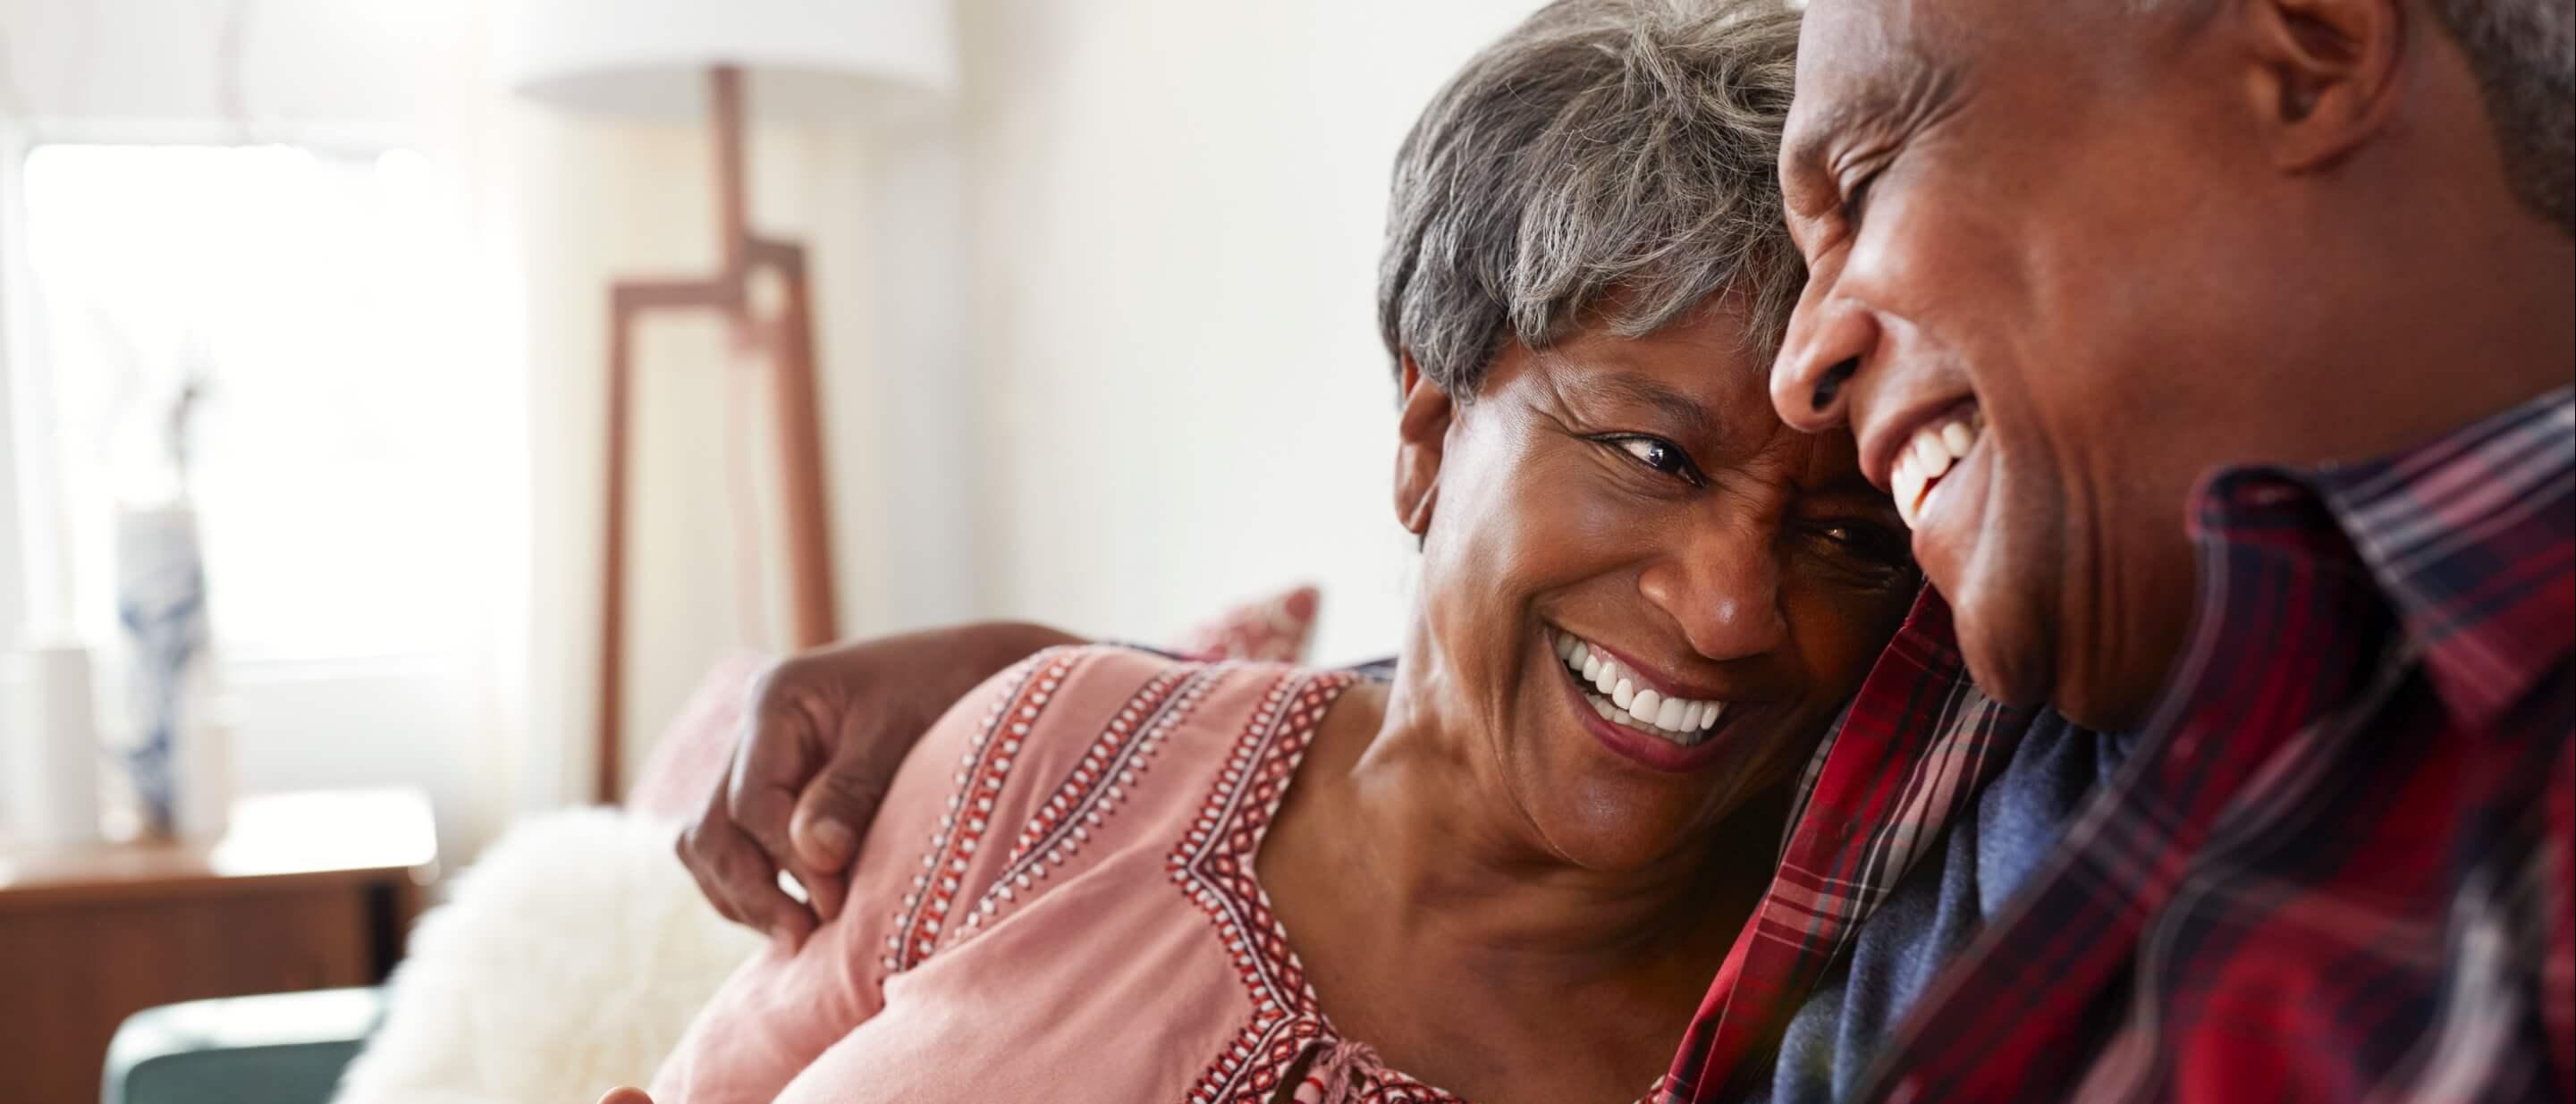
[[1421, 437], [2324, 75]]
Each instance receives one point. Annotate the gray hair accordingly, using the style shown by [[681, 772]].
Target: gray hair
[[1608, 161], [2524, 55]]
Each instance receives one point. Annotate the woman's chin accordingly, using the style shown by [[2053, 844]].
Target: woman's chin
[[1615, 829]]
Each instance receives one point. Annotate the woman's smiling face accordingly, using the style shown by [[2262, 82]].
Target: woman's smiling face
[[1633, 507]]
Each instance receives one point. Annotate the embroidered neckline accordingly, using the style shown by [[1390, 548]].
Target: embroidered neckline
[[1213, 865]]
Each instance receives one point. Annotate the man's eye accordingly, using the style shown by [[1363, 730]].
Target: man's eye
[[1856, 197], [1661, 455], [1867, 541]]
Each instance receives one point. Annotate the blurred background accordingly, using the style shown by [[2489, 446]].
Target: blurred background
[[305, 305]]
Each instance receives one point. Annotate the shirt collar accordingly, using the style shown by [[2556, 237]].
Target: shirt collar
[[2471, 539]]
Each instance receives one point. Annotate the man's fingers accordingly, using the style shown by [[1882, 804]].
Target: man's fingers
[[821, 858], [831, 811], [742, 883], [826, 894], [698, 852], [831, 819], [783, 917], [626, 1095], [778, 755]]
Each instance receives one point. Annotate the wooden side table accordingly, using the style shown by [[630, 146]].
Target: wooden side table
[[304, 891]]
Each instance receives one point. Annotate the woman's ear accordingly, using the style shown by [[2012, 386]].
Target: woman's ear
[[1421, 435]]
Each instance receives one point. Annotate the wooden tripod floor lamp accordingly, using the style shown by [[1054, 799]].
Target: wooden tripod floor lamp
[[793, 58]]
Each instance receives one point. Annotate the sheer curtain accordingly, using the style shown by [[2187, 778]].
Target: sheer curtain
[[353, 455], [308, 206]]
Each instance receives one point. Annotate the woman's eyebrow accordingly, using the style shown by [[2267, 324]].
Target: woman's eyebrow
[[1610, 385]]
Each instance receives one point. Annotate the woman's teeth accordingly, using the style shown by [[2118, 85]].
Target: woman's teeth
[[1619, 700], [1926, 458]]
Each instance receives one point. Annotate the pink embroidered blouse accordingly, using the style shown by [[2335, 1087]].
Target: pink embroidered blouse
[[1058, 903]]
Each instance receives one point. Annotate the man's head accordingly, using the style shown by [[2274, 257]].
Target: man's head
[[2067, 259]]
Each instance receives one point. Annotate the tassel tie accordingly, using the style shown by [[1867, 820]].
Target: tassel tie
[[1338, 1074]]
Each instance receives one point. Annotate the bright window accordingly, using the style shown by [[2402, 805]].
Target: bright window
[[351, 456]]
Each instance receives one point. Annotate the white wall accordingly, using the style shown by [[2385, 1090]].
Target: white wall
[[1100, 351], [1173, 236]]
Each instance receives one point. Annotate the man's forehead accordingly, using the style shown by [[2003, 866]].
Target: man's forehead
[[1867, 27], [1861, 61]]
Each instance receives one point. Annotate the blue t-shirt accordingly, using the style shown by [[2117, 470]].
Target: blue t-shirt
[[1938, 907]]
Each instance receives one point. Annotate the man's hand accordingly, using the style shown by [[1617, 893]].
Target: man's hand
[[824, 733]]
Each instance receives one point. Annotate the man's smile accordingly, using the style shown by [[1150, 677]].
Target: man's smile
[[1929, 454]]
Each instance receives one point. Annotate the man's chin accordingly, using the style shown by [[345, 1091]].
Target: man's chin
[[2113, 701], [2015, 668], [2023, 671], [2025, 678], [2013, 681]]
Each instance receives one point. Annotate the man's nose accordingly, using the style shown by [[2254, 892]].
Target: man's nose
[[1829, 338], [1721, 584]]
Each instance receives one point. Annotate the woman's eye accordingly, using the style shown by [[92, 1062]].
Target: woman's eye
[[1661, 455]]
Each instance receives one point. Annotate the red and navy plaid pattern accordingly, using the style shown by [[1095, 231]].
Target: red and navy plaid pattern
[[1911, 752], [2337, 866]]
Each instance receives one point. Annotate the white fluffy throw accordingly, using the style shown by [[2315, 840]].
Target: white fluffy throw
[[567, 962]]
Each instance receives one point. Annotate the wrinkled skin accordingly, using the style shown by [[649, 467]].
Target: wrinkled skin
[[2144, 246]]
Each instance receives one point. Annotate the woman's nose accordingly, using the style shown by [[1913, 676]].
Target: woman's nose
[[1722, 586], [1829, 339]]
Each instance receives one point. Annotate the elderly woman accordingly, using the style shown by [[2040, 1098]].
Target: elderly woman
[[1108, 876]]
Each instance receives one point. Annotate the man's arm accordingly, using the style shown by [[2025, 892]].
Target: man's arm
[[823, 736]]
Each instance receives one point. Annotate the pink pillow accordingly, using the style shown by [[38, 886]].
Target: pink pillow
[[1276, 629], [696, 748]]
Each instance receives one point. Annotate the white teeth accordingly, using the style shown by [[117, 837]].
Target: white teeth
[[1928, 456], [1932, 454], [1622, 701], [1907, 489]]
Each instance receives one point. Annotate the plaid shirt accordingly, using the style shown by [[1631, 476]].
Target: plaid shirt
[[2335, 868]]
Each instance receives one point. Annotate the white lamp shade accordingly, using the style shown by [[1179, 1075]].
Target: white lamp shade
[[801, 58]]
